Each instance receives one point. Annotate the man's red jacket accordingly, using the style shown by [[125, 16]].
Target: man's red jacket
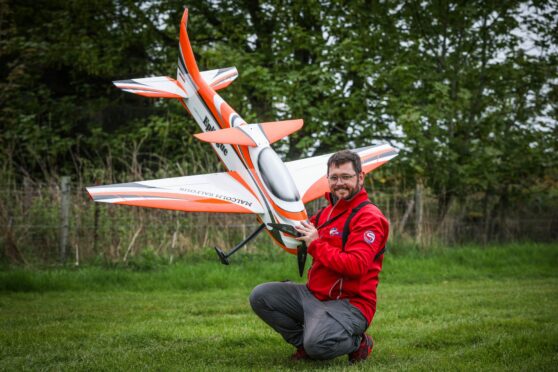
[[352, 273]]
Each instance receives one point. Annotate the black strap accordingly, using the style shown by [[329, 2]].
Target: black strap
[[380, 253], [329, 222], [319, 215], [346, 228]]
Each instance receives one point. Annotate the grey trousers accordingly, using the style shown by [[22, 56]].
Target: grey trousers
[[326, 329]]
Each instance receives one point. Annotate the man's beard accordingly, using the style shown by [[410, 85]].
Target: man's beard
[[352, 191]]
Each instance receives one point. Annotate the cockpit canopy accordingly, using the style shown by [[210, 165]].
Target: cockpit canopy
[[276, 176]]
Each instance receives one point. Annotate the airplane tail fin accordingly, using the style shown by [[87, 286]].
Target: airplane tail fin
[[188, 67], [249, 134]]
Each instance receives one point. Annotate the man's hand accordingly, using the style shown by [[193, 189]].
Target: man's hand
[[308, 231]]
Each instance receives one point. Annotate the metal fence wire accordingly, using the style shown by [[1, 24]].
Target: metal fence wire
[[58, 221]]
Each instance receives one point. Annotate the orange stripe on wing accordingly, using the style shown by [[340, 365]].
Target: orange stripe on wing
[[137, 87], [157, 95], [182, 197], [222, 85], [213, 201], [317, 190], [371, 167], [375, 154], [180, 205], [148, 194]]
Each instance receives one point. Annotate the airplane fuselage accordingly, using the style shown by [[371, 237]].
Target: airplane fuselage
[[259, 167]]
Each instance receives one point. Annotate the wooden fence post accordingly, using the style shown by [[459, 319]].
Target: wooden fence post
[[406, 215], [418, 212], [64, 216]]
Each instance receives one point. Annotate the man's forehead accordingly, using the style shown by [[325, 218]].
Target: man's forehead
[[343, 167]]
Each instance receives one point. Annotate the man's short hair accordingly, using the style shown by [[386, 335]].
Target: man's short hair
[[345, 156]]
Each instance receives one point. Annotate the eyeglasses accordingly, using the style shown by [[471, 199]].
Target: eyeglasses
[[343, 177]]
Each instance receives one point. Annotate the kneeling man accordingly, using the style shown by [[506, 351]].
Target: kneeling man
[[328, 316]]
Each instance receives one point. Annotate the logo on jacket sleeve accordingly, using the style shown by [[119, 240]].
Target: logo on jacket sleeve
[[334, 232], [369, 237]]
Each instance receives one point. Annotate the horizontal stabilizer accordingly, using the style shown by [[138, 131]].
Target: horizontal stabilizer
[[220, 78], [232, 136], [252, 134], [159, 87], [276, 130]]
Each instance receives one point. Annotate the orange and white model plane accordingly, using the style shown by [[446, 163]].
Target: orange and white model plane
[[257, 181]]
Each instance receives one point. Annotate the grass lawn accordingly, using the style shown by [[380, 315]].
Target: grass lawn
[[466, 308]]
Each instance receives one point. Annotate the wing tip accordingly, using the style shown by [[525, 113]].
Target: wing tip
[[88, 190]]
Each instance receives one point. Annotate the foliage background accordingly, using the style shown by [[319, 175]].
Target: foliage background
[[466, 90]]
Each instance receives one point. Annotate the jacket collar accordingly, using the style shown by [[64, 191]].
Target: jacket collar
[[343, 204]]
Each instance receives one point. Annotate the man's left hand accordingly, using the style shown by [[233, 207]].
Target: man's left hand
[[308, 231]]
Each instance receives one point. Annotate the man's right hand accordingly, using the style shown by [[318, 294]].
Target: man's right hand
[[308, 231]]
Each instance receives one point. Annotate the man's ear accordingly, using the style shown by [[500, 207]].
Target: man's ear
[[361, 178]]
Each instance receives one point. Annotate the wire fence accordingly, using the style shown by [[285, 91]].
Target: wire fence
[[58, 222]]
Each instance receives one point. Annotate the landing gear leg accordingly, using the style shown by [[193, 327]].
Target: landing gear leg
[[224, 257]]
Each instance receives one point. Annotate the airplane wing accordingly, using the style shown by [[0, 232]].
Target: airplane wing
[[217, 192], [310, 174]]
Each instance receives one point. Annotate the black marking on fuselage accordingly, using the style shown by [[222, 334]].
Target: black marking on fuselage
[[181, 64], [181, 75]]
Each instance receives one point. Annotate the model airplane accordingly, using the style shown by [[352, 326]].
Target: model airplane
[[257, 181]]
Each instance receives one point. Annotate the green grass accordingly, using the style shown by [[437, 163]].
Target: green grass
[[455, 309]]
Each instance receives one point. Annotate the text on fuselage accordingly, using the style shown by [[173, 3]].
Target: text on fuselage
[[208, 128]]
